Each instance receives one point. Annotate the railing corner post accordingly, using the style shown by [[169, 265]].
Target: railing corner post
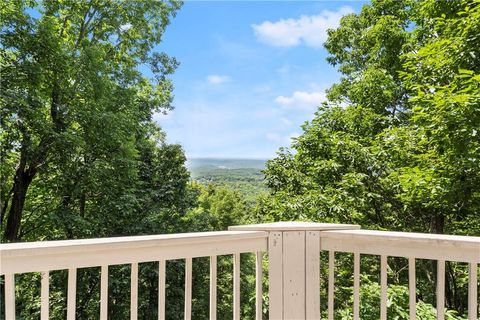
[[294, 267]]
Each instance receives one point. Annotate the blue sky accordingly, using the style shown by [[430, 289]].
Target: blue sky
[[250, 73]]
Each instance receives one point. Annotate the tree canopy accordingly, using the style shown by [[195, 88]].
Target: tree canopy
[[396, 146], [398, 138], [77, 130]]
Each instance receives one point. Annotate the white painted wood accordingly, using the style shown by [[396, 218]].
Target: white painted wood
[[258, 285], [440, 289], [383, 287], [161, 289], [293, 226], [275, 275], [472, 291], [134, 291], [45, 296], [331, 284], [236, 286], [213, 288], [188, 289], [104, 293], [356, 286], [288, 282], [403, 244], [412, 279], [57, 255], [312, 275], [71, 294], [294, 275], [286, 258], [10, 296]]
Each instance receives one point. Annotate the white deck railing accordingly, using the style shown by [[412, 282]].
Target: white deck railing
[[412, 246], [72, 254], [293, 255]]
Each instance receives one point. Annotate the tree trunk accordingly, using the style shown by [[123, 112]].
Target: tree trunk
[[25, 174], [21, 183], [83, 199], [4, 206]]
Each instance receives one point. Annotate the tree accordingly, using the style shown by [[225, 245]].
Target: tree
[[338, 171], [397, 144], [443, 78], [74, 103], [80, 153]]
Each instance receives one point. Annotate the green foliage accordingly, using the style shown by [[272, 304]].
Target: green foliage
[[249, 182], [218, 208], [76, 111], [242, 175], [397, 144], [80, 154], [396, 147], [397, 304]]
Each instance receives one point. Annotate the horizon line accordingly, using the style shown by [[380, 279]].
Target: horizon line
[[227, 158]]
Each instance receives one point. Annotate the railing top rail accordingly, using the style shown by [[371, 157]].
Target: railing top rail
[[19, 247], [403, 244], [64, 254], [415, 236], [295, 226]]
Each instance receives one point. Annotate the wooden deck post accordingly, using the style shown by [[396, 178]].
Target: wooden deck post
[[294, 267]]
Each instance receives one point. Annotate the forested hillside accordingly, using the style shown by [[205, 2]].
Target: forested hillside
[[395, 147], [242, 175]]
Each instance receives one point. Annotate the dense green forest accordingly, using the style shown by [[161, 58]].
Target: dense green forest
[[396, 147], [242, 175]]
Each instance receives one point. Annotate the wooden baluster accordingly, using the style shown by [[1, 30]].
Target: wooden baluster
[[10, 296], [236, 286], [383, 285], [312, 275], [258, 285], [356, 286], [472, 291], [45, 296], [104, 293], [188, 289], [275, 275], [440, 289], [161, 290], [134, 291], [331, 283], [412, 289], [72, 294], [294, 275], [213, 288]]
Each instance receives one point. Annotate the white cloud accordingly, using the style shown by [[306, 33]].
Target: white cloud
[[217, 79], [302, 100], [310, 30]]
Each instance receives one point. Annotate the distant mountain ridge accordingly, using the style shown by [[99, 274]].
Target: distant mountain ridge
[[193, 164], [242, 175]]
